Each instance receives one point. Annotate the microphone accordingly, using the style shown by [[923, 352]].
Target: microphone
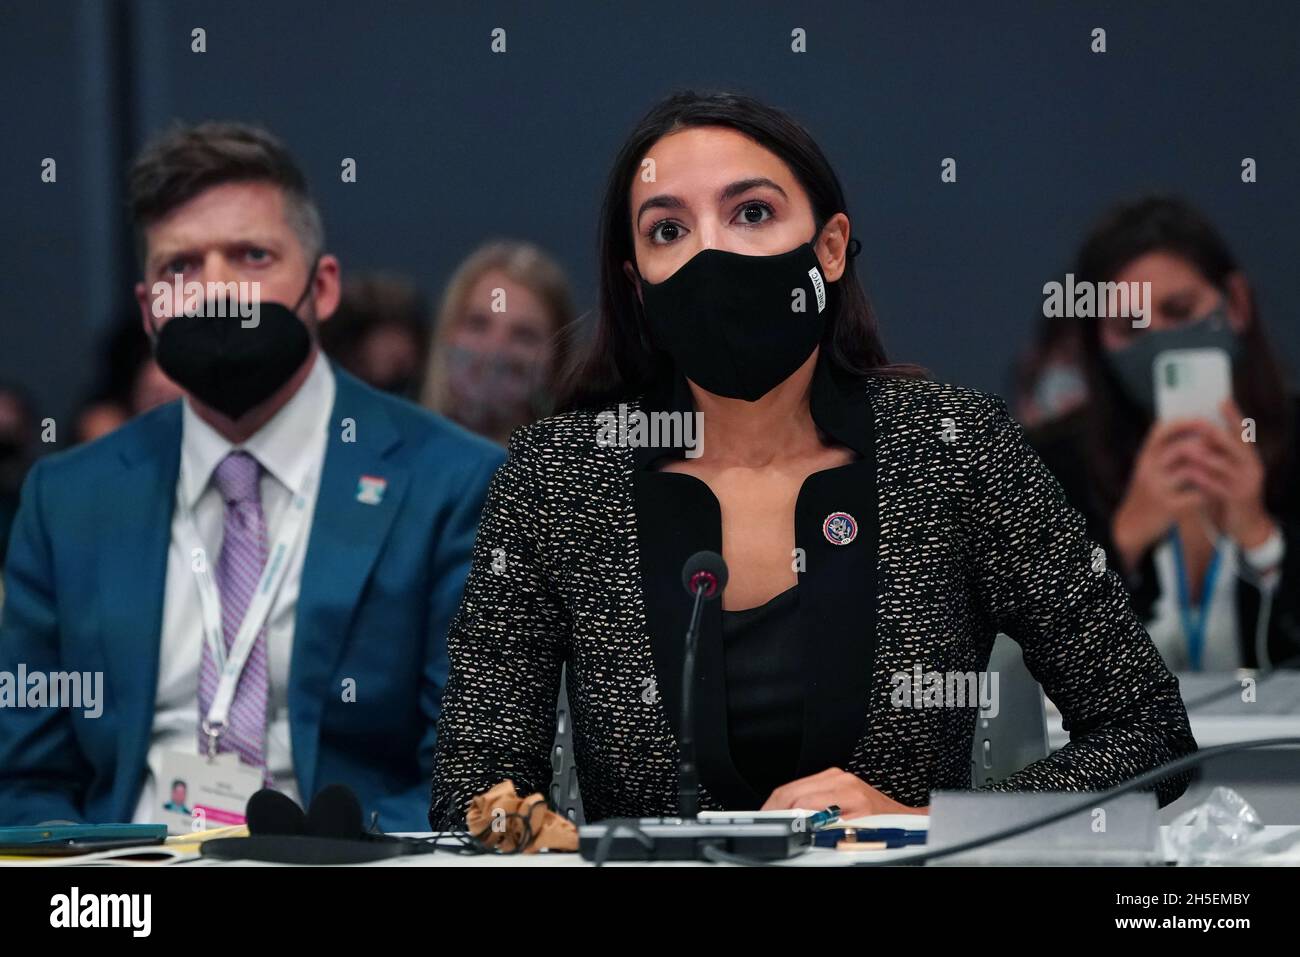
[[704, 571], [704, 576], [686, 837]]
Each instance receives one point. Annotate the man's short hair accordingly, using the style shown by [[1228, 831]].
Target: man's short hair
[[185, 160]]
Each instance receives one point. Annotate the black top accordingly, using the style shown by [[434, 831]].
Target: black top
[[764, 679], [676, 514]]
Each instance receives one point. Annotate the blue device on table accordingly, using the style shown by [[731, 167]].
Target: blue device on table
[[51, 834], [889, 836]]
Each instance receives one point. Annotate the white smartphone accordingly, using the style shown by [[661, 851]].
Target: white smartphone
[[1192, 383]]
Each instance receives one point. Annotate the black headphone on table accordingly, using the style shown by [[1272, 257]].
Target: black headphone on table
[[329, 832]]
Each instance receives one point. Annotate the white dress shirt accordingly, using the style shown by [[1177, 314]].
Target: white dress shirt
[[291, 450]]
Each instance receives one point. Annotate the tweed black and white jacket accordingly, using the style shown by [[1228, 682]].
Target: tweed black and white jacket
[[961, 533]]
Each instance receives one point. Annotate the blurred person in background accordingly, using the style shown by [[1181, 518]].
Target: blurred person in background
[[500, 340], [1202, 517], [1048, 377], [380, 334], [129, 382], [118, 355]]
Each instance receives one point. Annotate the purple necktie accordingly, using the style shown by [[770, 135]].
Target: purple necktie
[[243, 554]]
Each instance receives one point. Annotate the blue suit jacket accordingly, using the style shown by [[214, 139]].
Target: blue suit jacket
[[84, 590]]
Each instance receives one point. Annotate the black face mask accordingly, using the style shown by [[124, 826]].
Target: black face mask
[[1133, 364], [229, 366], [735, 325]]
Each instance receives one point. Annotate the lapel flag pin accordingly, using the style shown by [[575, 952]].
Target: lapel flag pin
[[840, 528], [370, 489]]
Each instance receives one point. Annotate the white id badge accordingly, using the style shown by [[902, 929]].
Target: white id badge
[[194, 794]]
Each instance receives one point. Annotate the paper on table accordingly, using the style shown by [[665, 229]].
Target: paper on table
[[208, 834], [907, 822], [152, 855]]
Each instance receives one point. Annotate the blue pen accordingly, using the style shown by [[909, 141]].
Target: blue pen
[[822, 818], [889, 836]]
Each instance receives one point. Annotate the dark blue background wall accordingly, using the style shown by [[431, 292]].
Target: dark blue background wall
[[456, 144]]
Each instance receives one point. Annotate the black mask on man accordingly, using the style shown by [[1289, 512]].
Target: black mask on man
[[736, 325], [228, 365]]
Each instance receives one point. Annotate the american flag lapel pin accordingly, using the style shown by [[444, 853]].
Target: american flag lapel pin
[[370, 489]]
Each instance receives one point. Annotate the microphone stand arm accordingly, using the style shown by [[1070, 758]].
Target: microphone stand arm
[[688, 786]]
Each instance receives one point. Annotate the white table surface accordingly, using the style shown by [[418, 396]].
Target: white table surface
[[815, 857]]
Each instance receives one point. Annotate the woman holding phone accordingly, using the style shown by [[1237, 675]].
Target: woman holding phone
[[875, 525], [1202, 514]]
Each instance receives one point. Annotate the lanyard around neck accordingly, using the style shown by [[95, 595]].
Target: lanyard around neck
[[1194, 623]]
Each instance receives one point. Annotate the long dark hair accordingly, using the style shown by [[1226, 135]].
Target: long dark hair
[[620, 360], [1115, 425]]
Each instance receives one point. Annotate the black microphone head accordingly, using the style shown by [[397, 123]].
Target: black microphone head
[[335, 812], [706, 572], [270, 812]]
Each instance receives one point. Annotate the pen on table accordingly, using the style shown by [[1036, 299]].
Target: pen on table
[[823, 818], [888, 836]]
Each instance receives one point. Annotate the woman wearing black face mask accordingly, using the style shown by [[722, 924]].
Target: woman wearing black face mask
[[873, 523], [1201, 517]]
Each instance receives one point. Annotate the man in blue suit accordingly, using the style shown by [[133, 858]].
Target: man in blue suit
[[262, 572]]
